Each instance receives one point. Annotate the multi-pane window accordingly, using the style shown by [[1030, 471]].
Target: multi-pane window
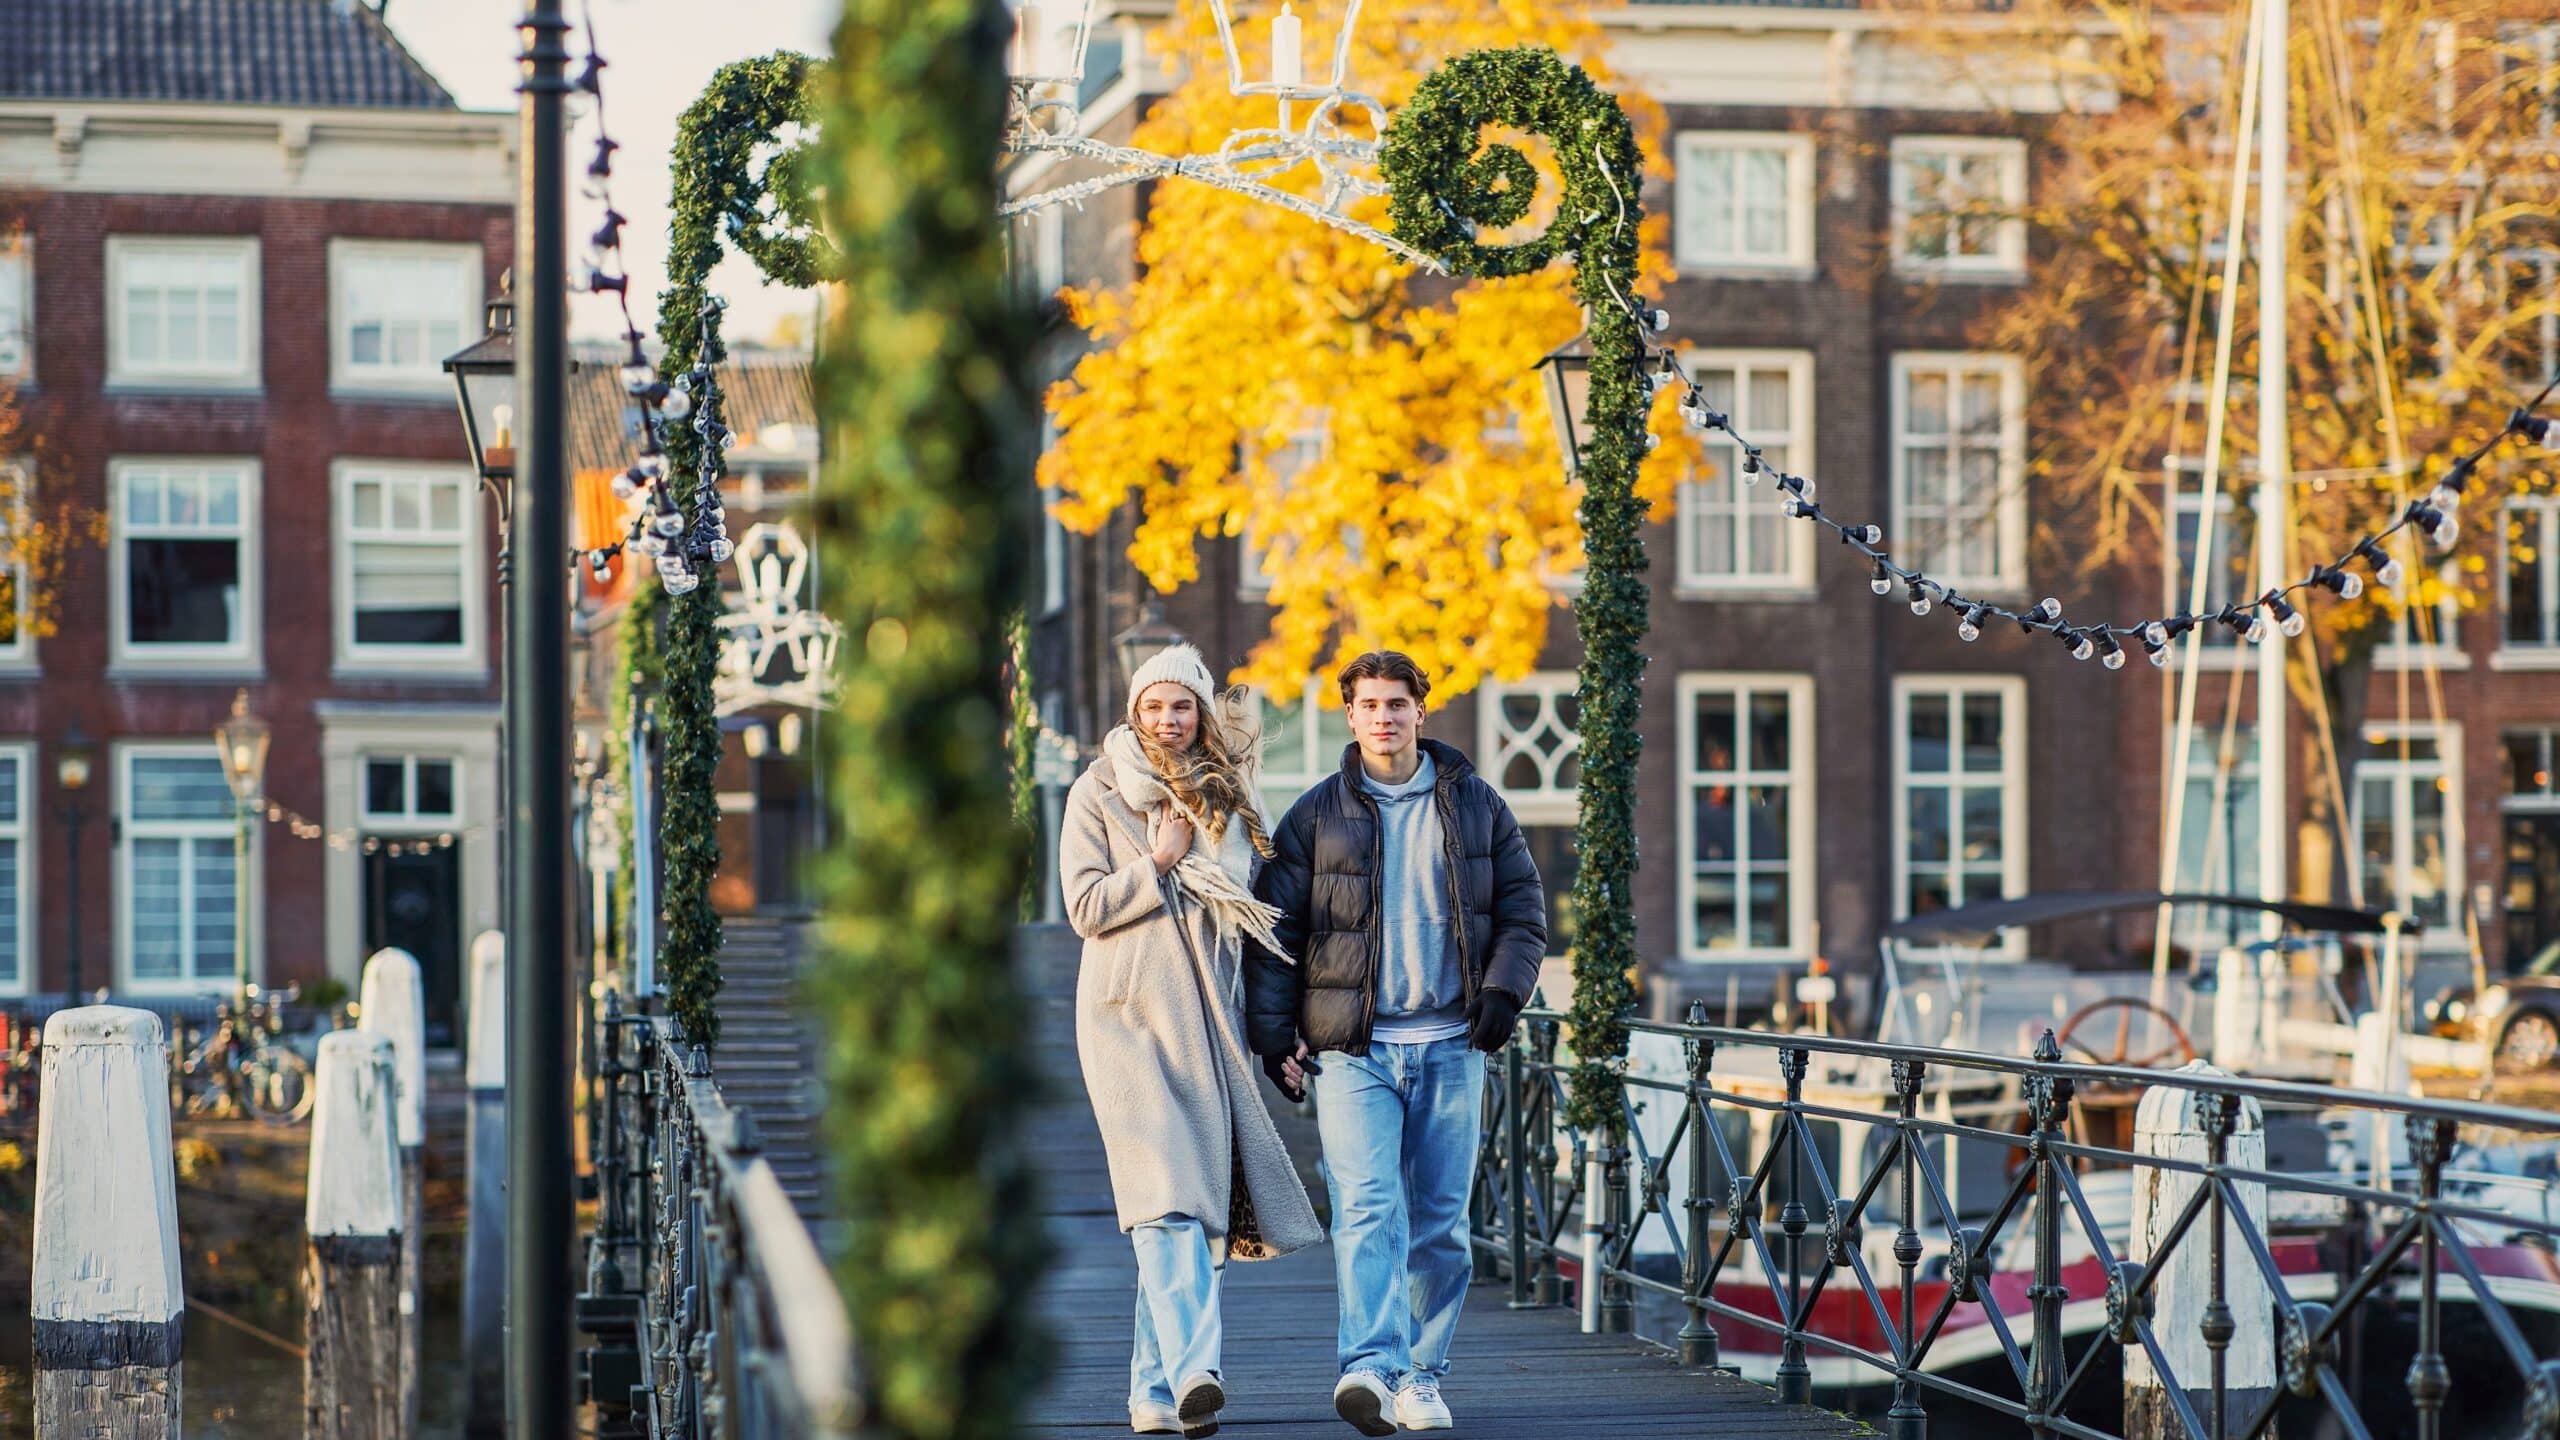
[[2529, 57], [1529, 744], [1960, 792], [2533, 760], [1744, 199], [409, 789], [397, 310], [2530, 593], [1957, 204], [2528, 305], [183, 311], [2408, 822], [1746, 795], [2218, 834], [186, 571], [2228, 582], [1733, 535], [407, 559], [1302, 742], [178, 894], [15, 939], [1306, 448], [17, 307], [1959, 458]]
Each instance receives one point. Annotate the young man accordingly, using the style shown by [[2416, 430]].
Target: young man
[[1414, 914]]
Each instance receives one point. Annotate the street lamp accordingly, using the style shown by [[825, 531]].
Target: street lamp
[[243, 741], [484, 383], [71, 761], [1568, 373], [1139, 643]]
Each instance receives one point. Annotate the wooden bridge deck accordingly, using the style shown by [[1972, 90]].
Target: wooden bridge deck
[[1527, 1373]]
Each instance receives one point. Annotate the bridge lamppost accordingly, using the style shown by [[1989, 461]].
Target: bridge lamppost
[[72, 760], [243, 742]]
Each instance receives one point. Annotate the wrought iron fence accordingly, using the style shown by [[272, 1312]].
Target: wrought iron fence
[[714, 1314], [1810, 1210]]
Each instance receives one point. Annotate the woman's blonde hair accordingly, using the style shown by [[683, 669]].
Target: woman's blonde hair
[[1216, 776]]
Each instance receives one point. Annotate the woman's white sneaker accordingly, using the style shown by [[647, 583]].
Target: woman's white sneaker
[[1419, 1406], [1363, 1399]]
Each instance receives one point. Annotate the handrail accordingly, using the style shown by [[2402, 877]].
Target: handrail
[[1763, 1225], [736, 1328]]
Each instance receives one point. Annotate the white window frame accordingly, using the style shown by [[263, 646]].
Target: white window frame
[[1796, 150], [2445, 652], [2539, 40], [1803, 863], [222, 831], [1293, 764], [1498, 741], [2206, 929], [18, 296], [18, 654], [243, 653], [2008, 257], [1798, 578], [2447, 766], [352, 655], [2221, 650], [2010, 513], [26, 834], [1053, 535], [428, 378], [2012, 691], [410, 819], [123, 249], [2542, 514]]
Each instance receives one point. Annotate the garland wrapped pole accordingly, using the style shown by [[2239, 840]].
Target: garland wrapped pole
[[925, 396], [1442, 192]]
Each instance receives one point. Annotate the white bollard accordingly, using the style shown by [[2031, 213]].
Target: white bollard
[[105, 1293], [2166, 1125], [484, 1262], [352, 1282], [395, 1007]]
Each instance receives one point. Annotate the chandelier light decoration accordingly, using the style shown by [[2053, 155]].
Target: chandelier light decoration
[[1047, 118]]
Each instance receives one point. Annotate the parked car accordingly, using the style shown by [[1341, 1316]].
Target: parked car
[[2518, 1015]]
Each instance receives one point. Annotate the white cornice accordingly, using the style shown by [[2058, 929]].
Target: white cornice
[[460, 156]]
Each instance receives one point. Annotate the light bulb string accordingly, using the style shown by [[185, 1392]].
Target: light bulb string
[[1867, 539], [302, 827]]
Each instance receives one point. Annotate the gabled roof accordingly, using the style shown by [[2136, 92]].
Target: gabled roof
[[315, 53]]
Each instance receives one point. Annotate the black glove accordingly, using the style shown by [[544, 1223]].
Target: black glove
[[1491, 1017], [1271, 1066]]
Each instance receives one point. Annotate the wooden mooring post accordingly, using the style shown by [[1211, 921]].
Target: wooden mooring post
[[351, 1274], [484, 1260], [105, 1294], [394, 1002], [2189, 1308]]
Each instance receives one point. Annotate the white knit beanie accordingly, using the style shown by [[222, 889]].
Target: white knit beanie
[[1176, 665]]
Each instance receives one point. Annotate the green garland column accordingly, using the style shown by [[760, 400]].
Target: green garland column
[[927, 404], [1442, 192]]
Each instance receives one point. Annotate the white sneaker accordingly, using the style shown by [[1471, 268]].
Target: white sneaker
[[1363, 1399], [1202, 1398], [1150, 1418], [1419, 1406]]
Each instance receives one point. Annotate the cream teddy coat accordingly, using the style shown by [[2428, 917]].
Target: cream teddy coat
[[1160, 1029]]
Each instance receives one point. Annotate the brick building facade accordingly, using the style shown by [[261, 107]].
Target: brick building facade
[[236, 255]]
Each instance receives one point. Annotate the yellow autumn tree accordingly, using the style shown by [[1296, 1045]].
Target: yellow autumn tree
[[1379, 437]]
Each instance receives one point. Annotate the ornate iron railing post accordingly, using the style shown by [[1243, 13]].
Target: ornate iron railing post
[[1617, 1299], [2215, 1115], [2430, 1142], [2048, 1101], [1515, 1167], [1907, 1420], [1550, 1286], [1795, 1376], [1697, 1336]]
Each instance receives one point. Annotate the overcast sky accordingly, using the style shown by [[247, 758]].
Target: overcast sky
[[659, 55]]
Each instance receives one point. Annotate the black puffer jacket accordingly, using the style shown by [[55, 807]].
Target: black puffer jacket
[[1324, 881]]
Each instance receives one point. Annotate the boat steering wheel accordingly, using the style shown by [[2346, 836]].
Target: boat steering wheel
[[2122, 1054]]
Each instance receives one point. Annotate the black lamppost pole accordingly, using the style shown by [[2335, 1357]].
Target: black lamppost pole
[[539, 1230]]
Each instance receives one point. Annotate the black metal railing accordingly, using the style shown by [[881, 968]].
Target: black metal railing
[[715, 1316], [2087, 1285]]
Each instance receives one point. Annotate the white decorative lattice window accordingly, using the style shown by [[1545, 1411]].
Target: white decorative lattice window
[[1529, 743]]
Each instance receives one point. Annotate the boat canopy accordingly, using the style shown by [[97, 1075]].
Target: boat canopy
[[1974, 924]]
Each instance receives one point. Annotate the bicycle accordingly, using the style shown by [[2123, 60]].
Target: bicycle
[[242, 1069]]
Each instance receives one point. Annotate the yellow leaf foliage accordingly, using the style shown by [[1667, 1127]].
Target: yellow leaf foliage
[[1380, 435]]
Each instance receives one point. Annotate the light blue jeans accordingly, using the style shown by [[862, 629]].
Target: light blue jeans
[[1179, 1329], [1399, 1126]]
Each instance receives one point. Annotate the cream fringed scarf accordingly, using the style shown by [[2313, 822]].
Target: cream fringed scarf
[[1219, 882]]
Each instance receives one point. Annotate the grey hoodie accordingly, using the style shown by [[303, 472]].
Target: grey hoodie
[[1421, 993]]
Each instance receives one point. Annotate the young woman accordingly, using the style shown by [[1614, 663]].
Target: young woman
[[1157, 858]]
